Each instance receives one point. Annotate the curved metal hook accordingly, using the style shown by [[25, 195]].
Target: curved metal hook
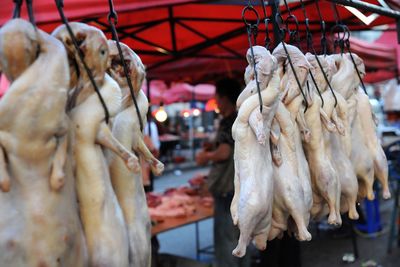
[[281, 25], [253, 10], [296, 23]]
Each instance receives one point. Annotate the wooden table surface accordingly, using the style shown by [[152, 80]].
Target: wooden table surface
[[167, 224]]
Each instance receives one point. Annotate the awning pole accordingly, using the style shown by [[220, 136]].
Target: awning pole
[[369, 7], [375, 9]]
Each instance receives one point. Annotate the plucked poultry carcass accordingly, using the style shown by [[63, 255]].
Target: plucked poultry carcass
[[101, 215], [328, 148], [128, 185], [292, 99], [39, 220], [289, 199], [346, 81], [251, 206], [369, 128], [368, 125]]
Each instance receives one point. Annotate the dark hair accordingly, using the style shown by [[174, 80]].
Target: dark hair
[[228, 87]]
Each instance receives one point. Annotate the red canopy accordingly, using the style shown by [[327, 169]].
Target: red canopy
[[191, 40]]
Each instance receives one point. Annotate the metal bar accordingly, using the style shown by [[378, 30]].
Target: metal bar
[[150, 52], [147, 23], [369, 7], [311, 22], [206, 38], [172, 28], [354, 240], [197, 241], [218, 39], [142, 28], [274, 4], [125, 34], [392, 231], [216, 56]]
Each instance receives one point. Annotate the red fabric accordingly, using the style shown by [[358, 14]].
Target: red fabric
[[379, 76], [195, 63]]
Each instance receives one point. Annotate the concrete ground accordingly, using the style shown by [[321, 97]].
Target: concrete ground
[[324, 250]]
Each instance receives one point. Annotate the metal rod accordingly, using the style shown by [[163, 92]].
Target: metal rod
[[232, 51], [369, 7], [125, 34], [274, 10], [172, 28], [192, 50]]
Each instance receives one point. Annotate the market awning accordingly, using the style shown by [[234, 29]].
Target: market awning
[[187, 39]]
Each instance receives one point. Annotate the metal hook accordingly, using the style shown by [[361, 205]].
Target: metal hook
[[267, 39], [30, 12], [296, 23], [252, 29], [280, 22], [17, 9], [112, 15], [250, 9], [60, 6]]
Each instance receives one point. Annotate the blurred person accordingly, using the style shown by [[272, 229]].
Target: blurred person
[[221, 175]]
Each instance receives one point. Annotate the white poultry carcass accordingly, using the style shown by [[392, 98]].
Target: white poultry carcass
[[369, 129], [39, 219], [292, 99], [333, 157], [289, 198], [251, 206], [368, 124], [345, 81], [101, 215], [128, 185]]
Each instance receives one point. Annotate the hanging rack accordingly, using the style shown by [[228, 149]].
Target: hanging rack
[[252, 31], [60, 6], [310, 45], [267, 39], [30, 12], [280, 23], [17, 9], [113, 20], [293, 34], [344, 42]]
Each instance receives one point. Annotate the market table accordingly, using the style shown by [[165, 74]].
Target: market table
[[202, 213]]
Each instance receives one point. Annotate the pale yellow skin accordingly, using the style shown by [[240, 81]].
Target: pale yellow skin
[[128, 185], [39, 219], [368, 125], [340, 156], [101, 214], [251, 206], [330, 176], [301, 202], [345, 81], [289, 196]]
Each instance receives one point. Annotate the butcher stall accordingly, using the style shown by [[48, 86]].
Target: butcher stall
[[308, 154]]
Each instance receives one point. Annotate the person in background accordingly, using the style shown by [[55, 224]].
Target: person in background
[[221, 175]]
